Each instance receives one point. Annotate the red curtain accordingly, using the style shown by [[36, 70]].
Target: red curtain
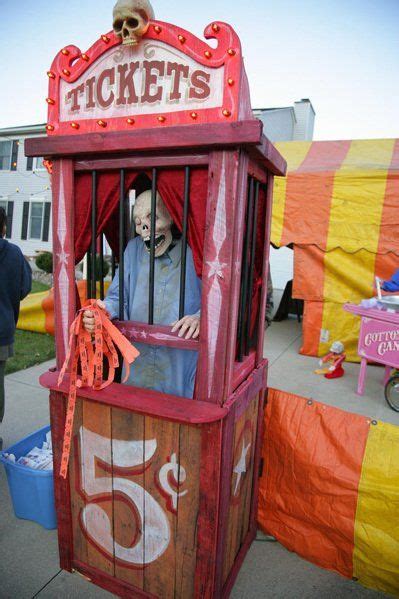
[[170, 185]]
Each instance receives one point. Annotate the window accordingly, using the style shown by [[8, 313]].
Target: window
[[8, 155], [36, 220], [35, 164], [38, 164], [9, 208]]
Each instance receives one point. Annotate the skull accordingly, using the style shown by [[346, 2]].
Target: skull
[[163, 224], [131, 19]]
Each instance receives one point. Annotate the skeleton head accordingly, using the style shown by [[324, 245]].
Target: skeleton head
[[131, 19], [142, 219]]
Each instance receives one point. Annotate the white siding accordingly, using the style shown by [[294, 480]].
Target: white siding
[[32, 187], [304, 114], [278, 124]]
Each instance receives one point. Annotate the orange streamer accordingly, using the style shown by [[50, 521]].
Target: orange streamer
[[91, 354]]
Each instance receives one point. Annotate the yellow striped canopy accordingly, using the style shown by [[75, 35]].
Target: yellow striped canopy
[[339, 208]]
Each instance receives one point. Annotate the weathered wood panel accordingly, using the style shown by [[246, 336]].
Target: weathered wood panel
[[77, 497], [96, 480], [210, 473], [188, 510], [160, 507], [241, 484], [61, 485], [128, 463]]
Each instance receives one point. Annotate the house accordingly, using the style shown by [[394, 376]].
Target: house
[[25, 191]]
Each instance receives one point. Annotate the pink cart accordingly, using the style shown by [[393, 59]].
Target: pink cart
[[378, 341]]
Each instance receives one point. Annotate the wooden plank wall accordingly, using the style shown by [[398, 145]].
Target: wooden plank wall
[[241, 484], [135, 498]]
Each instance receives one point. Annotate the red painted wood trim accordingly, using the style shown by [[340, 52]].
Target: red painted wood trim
[[61, 485], [109, 583], [208, 516], [63, 254], [207, 135], [257, 171], [243, 396], [239, 227], [225, 492], [141, 162], [243, 369], [258, 449], [143, 401], [154, 335], [216, 275], [237, 564], [266, 252], [269, 156]]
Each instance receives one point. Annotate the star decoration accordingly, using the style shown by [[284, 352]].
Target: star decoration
[[241, 466], [216, 268], [63, 257]]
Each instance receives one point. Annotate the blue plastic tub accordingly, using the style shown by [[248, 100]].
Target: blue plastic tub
[[32, 491]]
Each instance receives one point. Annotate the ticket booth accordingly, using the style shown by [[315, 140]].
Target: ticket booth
[[160, 499]]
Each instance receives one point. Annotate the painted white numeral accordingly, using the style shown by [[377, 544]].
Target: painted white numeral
[[153, 520]]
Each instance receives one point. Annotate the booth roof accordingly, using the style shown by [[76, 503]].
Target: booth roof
[[338, 194]]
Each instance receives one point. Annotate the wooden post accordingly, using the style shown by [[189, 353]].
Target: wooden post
[[265, 271], [64, 313], [64, 254], [217, 273], [239, 226]]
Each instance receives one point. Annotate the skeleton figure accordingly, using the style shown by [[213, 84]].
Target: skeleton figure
[[142, 220], [131, 20], [161, 368]]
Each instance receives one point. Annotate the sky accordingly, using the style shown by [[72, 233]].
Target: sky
[[341, 54]]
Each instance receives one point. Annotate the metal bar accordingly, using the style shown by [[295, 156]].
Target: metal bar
[[88, 273], [121, 242], [102, 266], [113, 265], [244, 273], [251, 268], [184, 241], [152, 247], [93, 232]]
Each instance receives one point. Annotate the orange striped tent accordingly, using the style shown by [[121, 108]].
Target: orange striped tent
[[339, 208], [329, 488]]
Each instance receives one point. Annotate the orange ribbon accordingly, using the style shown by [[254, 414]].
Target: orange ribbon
[[91, 354]]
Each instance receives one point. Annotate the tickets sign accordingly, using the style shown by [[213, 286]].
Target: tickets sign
[[171, 77]]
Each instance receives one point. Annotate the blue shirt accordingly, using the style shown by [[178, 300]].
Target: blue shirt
[[161, 368]]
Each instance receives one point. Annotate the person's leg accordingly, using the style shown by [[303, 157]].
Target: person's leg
[[2, 400], [2, 394]]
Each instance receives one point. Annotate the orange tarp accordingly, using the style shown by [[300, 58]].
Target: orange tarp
[[330, 488], [312, 455]]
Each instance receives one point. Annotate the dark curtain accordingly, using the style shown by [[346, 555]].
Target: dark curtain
[[170, 185]]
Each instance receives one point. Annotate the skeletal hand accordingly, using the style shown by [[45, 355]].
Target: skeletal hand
[[191, 324], [88, 317]]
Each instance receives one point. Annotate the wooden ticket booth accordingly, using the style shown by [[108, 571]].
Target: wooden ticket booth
[[161, 494]]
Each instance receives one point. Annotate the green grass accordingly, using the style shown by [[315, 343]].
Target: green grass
[[30, 349], [37, 286]]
